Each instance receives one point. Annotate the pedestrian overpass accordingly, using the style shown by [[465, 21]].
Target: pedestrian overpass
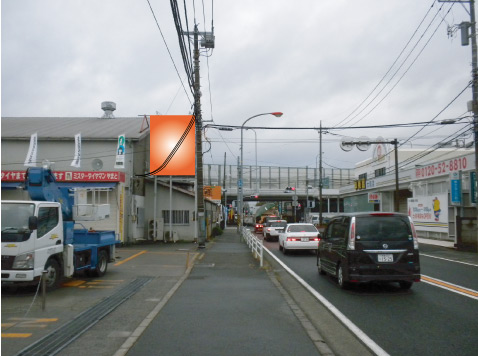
[[268, 183]]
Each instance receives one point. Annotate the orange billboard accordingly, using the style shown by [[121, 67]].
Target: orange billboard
[[212, 192], [172, 145]]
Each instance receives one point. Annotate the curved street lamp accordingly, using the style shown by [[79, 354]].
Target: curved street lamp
[[239, 182]]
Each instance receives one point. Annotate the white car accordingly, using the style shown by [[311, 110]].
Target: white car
[[299, 237], [273, 228]]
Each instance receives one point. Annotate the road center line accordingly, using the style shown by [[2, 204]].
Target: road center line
[[447, 259], [451, 287]]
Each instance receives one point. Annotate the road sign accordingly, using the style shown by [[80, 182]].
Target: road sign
[[295, 203], [294, 197]]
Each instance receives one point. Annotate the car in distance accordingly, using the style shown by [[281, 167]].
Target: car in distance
[[366, 247], [273, 228], [299, 236], [258, 227]]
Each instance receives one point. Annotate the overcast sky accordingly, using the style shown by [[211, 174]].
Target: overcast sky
[[315, 61]]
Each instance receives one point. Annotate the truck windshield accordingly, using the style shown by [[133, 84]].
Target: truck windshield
[[15, 221]]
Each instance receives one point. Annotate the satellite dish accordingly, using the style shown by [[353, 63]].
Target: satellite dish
[[97, 164], [347, 144], [364, 143]]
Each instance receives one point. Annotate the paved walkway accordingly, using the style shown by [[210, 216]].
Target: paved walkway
[[227, 306]]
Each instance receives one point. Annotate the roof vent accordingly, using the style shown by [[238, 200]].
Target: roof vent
[[108, 107]]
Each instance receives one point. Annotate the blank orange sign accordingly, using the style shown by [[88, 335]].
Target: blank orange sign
[[172, 145]]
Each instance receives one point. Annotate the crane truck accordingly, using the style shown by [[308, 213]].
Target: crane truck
[[40, 235]]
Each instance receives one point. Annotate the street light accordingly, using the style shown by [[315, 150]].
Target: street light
[[257, 181], [239, 182]]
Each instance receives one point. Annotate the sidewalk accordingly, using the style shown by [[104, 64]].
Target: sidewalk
[[227, 306]]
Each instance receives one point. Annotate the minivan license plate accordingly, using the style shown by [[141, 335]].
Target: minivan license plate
[[385, 258]]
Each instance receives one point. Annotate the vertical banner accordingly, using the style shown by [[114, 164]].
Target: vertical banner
[[77, 158], [120, 151], [172, 145], [31, 159]]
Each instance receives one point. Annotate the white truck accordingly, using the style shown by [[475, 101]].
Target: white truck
[[39, 235]]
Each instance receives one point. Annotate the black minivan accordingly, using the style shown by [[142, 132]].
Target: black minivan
[[366, 247]]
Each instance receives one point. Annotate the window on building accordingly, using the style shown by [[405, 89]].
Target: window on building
[[380, 172], [180, 217], [362, 176]]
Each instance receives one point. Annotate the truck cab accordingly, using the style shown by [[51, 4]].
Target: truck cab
[[31, 232]]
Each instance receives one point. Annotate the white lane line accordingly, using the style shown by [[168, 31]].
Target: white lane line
[[447, 259], [346, 321], [470, 293]]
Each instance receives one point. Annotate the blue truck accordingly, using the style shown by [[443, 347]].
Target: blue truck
[[40, 235]]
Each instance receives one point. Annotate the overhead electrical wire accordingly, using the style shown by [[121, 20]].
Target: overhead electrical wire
[[392, 65], [396, 72], [170, 55]]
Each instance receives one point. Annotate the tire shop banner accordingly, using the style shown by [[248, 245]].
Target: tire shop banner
[[77, 157], [31, 159]]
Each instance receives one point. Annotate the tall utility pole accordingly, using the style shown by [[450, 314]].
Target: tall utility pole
[[474, 89], [208, 42], [474, 84], [201, 218], [320, 176]]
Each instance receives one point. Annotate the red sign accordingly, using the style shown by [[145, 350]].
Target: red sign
[[62, 176]]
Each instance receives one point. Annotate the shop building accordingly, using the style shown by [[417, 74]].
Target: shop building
[[129, 202], [435, 189]]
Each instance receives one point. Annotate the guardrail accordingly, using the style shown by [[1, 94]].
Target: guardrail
[[254, 243]]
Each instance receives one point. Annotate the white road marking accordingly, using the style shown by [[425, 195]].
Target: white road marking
[[346, 321]]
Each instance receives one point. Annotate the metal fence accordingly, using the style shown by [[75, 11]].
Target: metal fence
[[255, 244]]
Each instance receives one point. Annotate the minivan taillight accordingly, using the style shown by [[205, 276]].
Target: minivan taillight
[[351, 243], [414, 234]]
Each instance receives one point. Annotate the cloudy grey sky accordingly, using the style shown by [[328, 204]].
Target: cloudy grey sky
[[316, 61]]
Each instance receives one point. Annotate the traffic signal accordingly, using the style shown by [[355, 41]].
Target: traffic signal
[[289, 190], [254, 196]]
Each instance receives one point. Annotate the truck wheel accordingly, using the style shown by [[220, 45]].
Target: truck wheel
[[53, 275], [101, 265]]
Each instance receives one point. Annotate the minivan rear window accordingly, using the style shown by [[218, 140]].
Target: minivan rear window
[[383, 228]]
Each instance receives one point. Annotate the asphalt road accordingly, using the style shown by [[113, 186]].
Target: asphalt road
[[426, 320]]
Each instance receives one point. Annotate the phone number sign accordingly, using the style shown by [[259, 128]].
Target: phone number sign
[[444, 167]]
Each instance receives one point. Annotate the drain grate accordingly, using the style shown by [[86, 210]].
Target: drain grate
[[58, 339]]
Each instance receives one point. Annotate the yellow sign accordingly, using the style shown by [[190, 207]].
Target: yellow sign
[[360, 184]]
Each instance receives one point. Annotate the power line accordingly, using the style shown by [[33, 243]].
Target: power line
[[396, 72], [170, 55]]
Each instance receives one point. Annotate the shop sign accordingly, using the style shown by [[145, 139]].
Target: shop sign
[[63, 176], [429, 213], [455, 188], [374, 198]]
